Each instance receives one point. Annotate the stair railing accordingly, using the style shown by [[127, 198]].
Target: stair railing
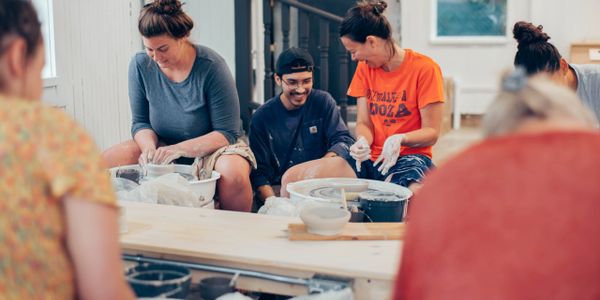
[[325, 49]]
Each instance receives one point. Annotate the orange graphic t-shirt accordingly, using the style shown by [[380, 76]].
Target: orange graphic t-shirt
[[395, 98]]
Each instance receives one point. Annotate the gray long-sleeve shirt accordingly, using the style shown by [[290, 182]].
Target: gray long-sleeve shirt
[[205, 101], [588, 86]]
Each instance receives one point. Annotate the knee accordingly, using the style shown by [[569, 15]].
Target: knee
[[235, 173], [125, 153], [235, 178], [291, 175]]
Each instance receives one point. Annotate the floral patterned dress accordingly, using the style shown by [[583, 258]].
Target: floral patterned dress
[[44, 157]]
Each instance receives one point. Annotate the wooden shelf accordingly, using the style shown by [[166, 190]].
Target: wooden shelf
[[585, 53]]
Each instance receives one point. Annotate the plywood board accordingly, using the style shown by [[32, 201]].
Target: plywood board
[[245, 239], [351, 231]]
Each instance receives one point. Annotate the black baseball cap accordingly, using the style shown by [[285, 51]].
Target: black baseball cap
[[294, 60]]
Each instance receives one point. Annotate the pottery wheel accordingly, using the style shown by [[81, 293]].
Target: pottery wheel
[[186, 176], [330, 193], [379, 195], [136, 176]]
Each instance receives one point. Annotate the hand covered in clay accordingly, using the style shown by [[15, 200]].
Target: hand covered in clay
[[167, 154], [360, 151], [390, 153], [146, 157]]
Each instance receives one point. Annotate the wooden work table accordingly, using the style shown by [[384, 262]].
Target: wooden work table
[[258, 243]]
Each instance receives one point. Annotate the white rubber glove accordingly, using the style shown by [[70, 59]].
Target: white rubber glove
[[390, 153], [360, 151]]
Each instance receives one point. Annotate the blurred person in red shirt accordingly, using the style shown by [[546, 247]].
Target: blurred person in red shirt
[[515, 216]]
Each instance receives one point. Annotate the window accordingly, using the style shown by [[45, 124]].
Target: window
[[469, 21], [44, 10]]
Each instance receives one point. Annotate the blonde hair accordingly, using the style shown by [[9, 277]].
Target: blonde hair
[[533, 98]]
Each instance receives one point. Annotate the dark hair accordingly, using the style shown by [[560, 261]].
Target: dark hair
[[534, 52], [19, 18], [164, 17], [364, 19]]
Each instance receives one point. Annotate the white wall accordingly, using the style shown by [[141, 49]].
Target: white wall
[[394, 15], [477, 68], [94, 42], [214, 26], [567, 21], [258, 52]]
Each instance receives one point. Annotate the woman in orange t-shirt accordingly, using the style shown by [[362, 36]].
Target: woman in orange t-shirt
[[399, 99]]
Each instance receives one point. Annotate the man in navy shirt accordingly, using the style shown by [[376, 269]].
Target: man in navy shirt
[[299, 125]]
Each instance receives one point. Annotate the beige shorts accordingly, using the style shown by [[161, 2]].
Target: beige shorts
[[203, 166]]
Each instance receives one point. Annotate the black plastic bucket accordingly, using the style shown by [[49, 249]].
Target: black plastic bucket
[[357, 216], [383, 207], [159, 280], [213, 287]]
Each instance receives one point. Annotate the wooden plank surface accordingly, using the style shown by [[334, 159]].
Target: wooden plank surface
[[351, 232], [251, 240]]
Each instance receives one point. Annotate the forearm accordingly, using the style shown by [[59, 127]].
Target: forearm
[[146, 139], [92, 228], [427, 135], [365, 131], [264, 191], [423, 137], [203, 145]]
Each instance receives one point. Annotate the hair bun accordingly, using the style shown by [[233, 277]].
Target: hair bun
[[167, 7], [368, 7], [379, 7], [526, 33]]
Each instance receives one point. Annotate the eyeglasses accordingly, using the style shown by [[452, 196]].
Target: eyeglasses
[[297, 84]]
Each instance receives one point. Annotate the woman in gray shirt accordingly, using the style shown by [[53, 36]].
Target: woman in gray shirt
[[184, 105], [535, 54]]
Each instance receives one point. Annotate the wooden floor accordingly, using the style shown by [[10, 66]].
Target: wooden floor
[[453, 142]]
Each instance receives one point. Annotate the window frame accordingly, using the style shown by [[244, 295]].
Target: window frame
[[45, 12], [471, 39]]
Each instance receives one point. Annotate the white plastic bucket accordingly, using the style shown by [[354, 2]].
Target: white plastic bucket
[[203, 188]]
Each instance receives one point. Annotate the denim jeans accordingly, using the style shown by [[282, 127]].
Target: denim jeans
[[408, 169]]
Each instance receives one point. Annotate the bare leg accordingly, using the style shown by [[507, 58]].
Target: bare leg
[[318, 168], [125, 153], [414, 187], [235, 190]]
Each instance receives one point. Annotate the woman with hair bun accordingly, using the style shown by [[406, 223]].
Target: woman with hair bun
[[184, 105], [400, 99], [535, 54]]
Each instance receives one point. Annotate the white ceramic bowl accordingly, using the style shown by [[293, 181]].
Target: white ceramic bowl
[[324, 220]]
